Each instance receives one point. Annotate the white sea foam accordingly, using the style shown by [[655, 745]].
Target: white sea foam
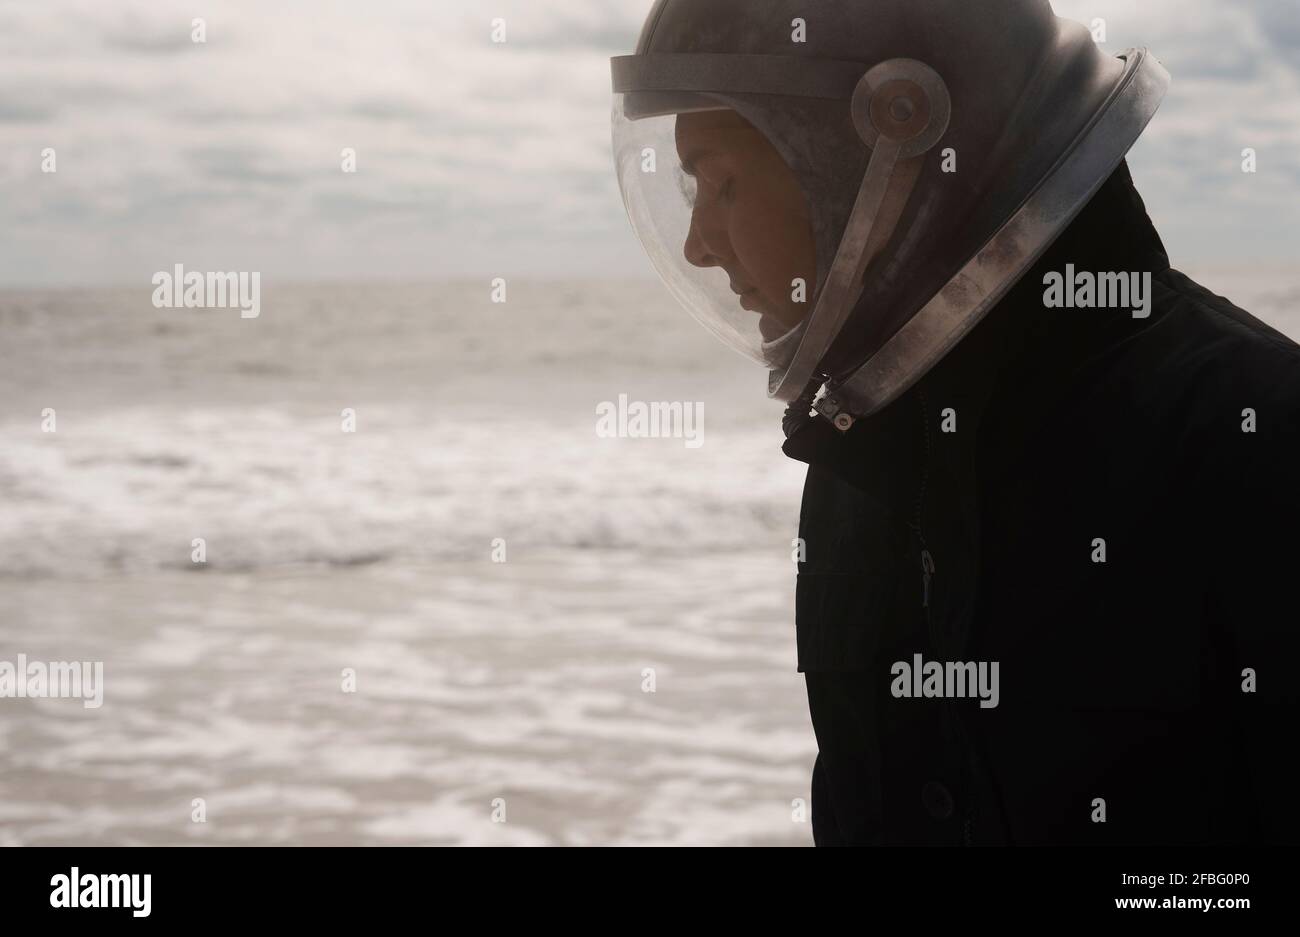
[[473, 422]]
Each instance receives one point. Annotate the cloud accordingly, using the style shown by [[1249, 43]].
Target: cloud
[[14, 109], [243, 164], [474, 156], [145, 40], [1279, 22]]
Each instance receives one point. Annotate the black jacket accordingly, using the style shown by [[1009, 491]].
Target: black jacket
[[1120, 682]]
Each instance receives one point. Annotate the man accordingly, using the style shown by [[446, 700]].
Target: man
[[1051, 508]]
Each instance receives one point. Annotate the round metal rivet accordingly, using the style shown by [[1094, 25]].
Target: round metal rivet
[[901, 109]]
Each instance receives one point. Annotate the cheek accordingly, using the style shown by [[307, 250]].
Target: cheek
[[774, 245]]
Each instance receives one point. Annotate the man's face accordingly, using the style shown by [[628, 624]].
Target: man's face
[[749, 216]]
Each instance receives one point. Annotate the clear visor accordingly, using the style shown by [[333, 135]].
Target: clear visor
[[722, 217]]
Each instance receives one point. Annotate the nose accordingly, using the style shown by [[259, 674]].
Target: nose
[[706, 243]]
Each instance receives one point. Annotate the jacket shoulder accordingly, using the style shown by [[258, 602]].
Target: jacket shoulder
[[1220, 384], [1224, 339], [1202, 360]]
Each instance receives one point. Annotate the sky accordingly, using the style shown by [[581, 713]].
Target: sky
[[477, 158]]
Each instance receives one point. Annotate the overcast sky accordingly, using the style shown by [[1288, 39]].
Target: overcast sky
[[479, 158]]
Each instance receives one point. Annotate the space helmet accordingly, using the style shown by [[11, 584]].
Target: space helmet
[[840, 191]]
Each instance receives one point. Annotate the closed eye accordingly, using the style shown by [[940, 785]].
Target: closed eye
[[688, 186]]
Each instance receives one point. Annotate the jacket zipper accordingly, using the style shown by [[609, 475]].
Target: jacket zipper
[[927, 573], [927, 560], [927, 565]]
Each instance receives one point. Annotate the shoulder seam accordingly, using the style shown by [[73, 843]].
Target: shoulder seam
[[1279, 341]]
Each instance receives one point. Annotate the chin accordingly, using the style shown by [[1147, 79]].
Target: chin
[[771, 328]]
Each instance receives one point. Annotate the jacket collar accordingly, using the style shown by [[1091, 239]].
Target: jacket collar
[[1018, 360]]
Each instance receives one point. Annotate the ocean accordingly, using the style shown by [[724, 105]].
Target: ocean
[[472, 620], [480, 685]]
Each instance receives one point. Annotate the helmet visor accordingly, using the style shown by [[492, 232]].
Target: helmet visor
[[722, 217]]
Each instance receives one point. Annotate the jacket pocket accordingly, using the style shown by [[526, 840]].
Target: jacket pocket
[[843, 621]]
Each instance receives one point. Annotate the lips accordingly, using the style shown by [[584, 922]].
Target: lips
[[749, 296], [746, 293]]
